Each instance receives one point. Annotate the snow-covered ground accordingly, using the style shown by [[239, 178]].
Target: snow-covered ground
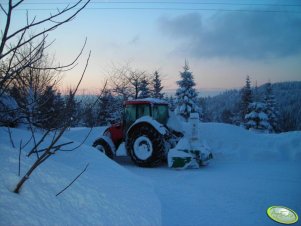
[[250, 172], [106, 194]]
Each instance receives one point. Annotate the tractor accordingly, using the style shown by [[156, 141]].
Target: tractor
[[150, 132]]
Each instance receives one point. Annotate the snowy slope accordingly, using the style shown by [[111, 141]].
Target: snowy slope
[[106, 194], [235, 143], [250, 172]]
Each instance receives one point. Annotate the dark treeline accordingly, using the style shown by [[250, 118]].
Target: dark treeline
[[226, 107], [268, 108]]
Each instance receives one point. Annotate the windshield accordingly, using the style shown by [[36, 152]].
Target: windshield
[[133, 112]]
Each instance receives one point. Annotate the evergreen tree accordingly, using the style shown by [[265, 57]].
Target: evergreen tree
[[172, 104], [157, 87], [88, 118], [227, 116], [89, 111], [257, 118], [186, 94], [26, 98], [144, 89], [271, 111], [51, 106], [109, 109], [246, 100], [72, 113], [202, 106]]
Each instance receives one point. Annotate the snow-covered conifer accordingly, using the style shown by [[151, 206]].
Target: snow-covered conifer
[[50, 109], [109, 108], [186, 94], [172, 104], [72, 112], [257, 119], [246, 100], [271, 110]]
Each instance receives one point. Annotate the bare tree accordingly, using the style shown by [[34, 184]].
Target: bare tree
[[135, 78], [126, 81], [24, 68], [119, 82], [33, 34], [31, 86], [53, 147]]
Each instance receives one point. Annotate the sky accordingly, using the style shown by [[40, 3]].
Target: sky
[[223, 41]]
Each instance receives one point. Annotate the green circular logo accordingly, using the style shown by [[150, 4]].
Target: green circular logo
[[282, 214]]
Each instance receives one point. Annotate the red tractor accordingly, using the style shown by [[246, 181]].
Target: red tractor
[[146, 130]]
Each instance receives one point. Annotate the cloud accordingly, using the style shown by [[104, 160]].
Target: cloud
[[236, 35]]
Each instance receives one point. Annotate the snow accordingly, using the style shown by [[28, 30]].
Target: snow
[[175, 123], [249, 173], [151, 100], [8, 101], [235, 143], [106, 194], [159, 127]]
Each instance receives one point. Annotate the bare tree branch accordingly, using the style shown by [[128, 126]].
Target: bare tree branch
[[3, 9], [30, 26], [10, 137], [56, 138], [19, 166], [73, 180]]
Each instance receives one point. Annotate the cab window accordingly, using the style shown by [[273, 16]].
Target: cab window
[[130, 114], [143, 110], [160, 113]]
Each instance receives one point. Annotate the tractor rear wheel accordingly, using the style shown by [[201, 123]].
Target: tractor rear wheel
[[104, 147], [145, 145]]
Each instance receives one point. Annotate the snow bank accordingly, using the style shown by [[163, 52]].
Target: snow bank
[[235, 143], [106, 194]]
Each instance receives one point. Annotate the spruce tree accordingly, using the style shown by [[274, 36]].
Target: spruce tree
[[109, 109], [157, 87], [257, 119], [72, 113], [186, 94], [51, 106], [246, 100], [144, 89], [271, 110], [172, 104]]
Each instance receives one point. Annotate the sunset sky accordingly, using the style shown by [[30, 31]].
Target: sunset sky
[[223, 41]]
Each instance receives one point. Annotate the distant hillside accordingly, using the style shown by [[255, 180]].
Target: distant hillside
[[287, 95]]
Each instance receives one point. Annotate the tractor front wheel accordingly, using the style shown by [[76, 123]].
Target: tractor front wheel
[[145, 145], [103, 146]]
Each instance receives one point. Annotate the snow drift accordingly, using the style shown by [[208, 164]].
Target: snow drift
[[235, 143], [106, 194], [245, 167]]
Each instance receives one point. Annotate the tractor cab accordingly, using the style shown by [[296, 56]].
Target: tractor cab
[[135, 109]]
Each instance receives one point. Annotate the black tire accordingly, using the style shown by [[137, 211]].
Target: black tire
[[103, 146], [148, 132]]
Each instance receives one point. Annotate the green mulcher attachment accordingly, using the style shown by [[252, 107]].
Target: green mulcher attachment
[[189, 152]]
